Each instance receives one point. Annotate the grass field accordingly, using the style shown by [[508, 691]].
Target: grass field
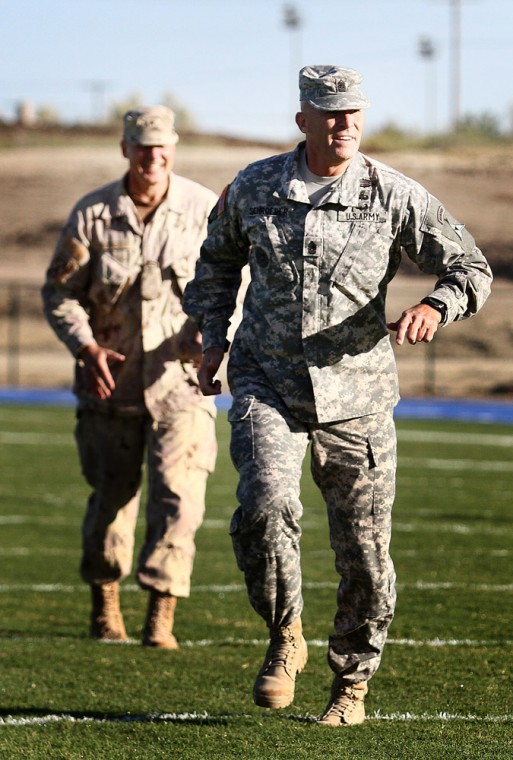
[[444, 689]]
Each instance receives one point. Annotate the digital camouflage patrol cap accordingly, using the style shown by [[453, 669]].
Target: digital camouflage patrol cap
[[331, 88], [150, 125]]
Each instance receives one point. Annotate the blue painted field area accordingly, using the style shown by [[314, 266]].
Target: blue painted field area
[[465, 410]]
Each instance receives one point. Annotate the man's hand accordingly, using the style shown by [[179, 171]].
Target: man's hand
[[95, 361], [417, 324], [209, 366], [189, 343]]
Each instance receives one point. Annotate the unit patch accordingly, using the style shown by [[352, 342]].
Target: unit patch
[[438, 218], [220, 206]]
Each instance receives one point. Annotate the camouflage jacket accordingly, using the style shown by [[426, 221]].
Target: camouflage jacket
[[93, 292], [314, 324]]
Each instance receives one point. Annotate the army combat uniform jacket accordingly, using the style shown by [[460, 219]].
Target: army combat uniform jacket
[[119, 283], [314, 326]]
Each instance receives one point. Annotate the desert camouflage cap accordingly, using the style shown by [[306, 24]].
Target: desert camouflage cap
[[331, 88], [150, 125]]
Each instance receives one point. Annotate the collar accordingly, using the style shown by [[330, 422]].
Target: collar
[[345, 193], [122, 206]]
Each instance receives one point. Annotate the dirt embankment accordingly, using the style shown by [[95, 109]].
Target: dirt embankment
[[40, 185]]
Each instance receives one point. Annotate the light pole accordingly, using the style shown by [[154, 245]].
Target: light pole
[[293, 22], [427, 52], [455, 62], [97, 89]]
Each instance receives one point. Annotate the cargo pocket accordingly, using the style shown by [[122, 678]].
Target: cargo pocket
[[242, 444], [234, 531]]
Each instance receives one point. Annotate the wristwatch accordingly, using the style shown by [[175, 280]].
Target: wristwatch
[[440, 307]]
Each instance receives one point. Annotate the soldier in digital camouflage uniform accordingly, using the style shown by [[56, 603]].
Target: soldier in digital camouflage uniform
[[113, 294], [323, 229]]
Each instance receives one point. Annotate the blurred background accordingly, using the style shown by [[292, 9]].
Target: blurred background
[[231, 67], [438, 73]]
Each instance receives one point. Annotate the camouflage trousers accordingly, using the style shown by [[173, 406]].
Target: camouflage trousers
[[353, 463], [179, 456]]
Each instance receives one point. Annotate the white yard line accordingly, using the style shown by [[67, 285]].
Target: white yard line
[[239, 587], [219, 524], [430, 463], [30, 438], [232, 641], [25, 551], [205, 717], [469, 439], [231, 588], [36, 439]]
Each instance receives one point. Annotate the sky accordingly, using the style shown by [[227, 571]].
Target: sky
[[233, 64]]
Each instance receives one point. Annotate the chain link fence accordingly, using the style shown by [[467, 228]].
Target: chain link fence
[[31, 355]]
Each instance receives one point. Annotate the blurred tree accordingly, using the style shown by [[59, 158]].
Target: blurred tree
[[184, 119], [481, 125], [118, 108], [47, 116]]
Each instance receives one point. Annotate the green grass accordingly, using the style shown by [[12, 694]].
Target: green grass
[[444, 689]]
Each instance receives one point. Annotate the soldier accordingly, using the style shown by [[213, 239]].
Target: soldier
[[113, 294], [323, 229]]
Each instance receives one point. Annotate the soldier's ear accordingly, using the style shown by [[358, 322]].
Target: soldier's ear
[[124, 149], [301, 121]]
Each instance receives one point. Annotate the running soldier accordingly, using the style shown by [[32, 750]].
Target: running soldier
[[323, 229]]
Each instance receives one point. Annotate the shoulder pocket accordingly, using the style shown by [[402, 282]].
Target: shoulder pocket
[[438, 222]]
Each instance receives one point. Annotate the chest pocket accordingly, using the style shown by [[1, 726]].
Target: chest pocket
[[365, 257], [179, 272], [273, 255], [117, 270]]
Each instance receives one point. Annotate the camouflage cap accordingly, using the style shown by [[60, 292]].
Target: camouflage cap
[[150, 125], [331, 88]]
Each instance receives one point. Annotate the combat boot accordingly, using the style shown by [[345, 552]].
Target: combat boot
[[346, 706], [158, 628], [106, 618], [286, 656]]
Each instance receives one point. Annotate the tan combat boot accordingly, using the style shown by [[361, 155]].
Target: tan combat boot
[[285, 658], [346, 706], [159, 622], [106, 618]]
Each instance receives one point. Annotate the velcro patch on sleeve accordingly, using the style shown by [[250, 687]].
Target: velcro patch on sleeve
[[220, 206], [438, 218], [69, 257]]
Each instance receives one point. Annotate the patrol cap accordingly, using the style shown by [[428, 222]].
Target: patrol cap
[[331, 88], [150, 125]]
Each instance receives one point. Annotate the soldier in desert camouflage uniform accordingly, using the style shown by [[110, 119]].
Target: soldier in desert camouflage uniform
[[113, 295], [323, 229]]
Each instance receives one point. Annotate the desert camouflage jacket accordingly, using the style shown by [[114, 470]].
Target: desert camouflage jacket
[[120, 283], [314, 324]]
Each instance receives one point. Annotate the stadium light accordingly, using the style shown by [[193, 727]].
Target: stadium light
[[427, 51], [293, 21], [97, 89]]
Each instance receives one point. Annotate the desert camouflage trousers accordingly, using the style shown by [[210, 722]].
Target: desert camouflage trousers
[[179, 456], [353, 463]]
